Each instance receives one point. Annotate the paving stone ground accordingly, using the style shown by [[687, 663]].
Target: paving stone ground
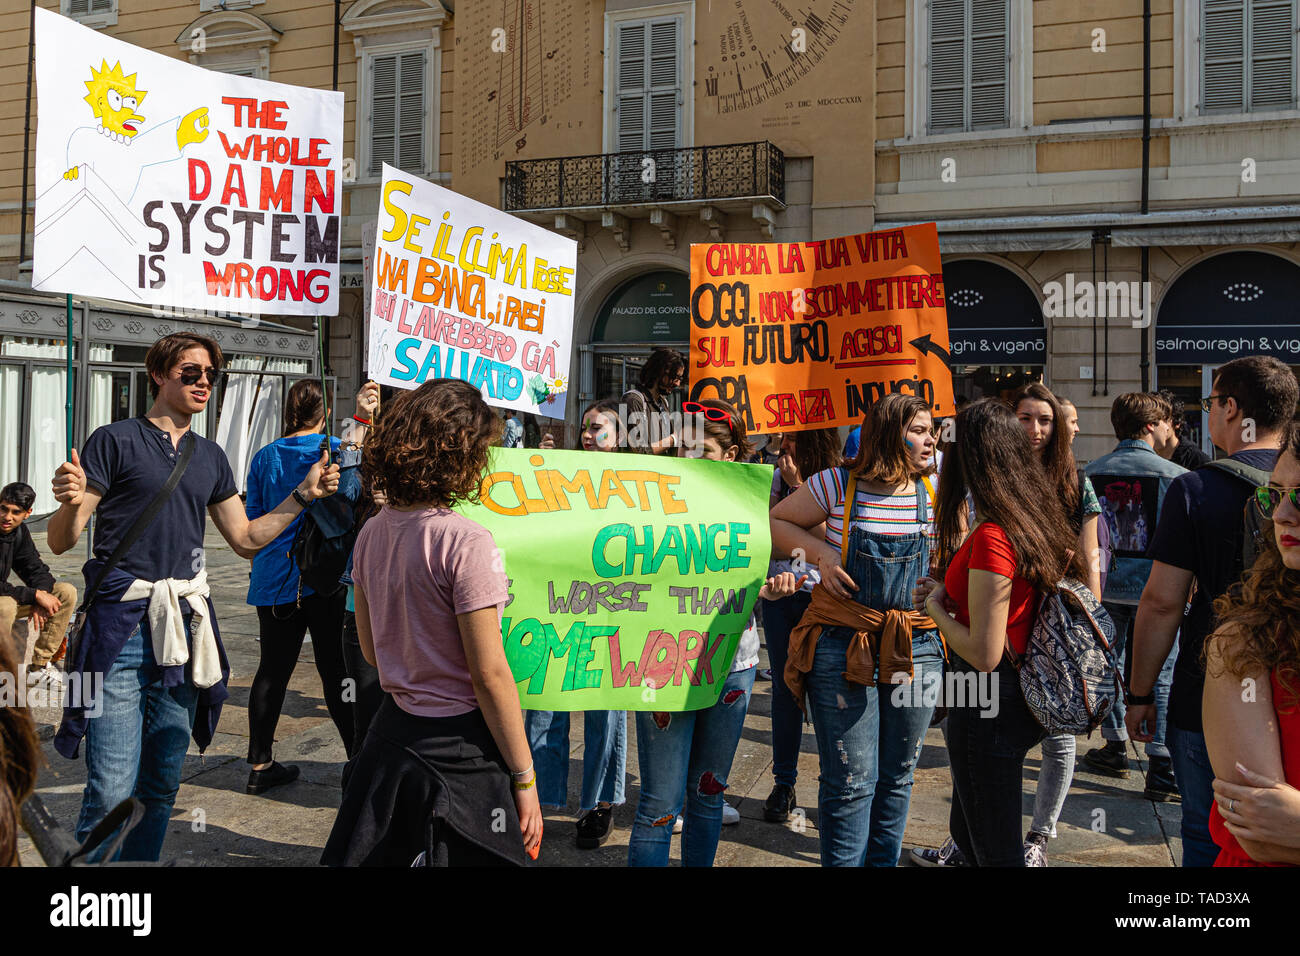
[[1105, 822]]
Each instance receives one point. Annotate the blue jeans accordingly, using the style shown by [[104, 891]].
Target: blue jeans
[[779, 619], [869, 739], [698, 746], [136, 747], [1112, 725], [604, 756], [1195, 779]]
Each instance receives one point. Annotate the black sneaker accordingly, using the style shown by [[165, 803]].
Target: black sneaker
[[1110, 760], [779, 803], [259, 781], [595, 827], [1161, 785], [946, 855]]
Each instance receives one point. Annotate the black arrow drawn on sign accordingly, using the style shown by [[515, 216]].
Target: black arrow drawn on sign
[[926, 347]]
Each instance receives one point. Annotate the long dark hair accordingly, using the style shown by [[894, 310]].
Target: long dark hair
[[816, 450], [302, 406], [881, 456], [1260, 616], [1057, 457], [661, 360], [987, 459]]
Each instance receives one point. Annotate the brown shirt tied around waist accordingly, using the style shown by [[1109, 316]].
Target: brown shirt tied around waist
[[880, 637]]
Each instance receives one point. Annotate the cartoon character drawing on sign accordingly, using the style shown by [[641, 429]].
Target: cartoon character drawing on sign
[[118, 149]]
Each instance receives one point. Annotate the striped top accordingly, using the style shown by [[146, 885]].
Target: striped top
[[879, 514]]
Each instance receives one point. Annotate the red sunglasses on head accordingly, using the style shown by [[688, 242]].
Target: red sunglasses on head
[[708, 411]]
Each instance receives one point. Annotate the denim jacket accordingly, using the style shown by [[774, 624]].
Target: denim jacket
[[1131, 483]]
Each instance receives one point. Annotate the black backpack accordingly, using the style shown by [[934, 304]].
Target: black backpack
[[1254, 524], [322, 543]]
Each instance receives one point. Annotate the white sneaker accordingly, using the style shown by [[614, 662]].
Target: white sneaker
[[730, 815], [1035, 853], [47, 676], [677, 824]]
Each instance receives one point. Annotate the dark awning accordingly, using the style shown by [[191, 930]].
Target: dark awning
[[993, 317], [655, 307], [1233, 304]]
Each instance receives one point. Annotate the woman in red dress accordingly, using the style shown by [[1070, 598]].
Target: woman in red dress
[[1252, 688]]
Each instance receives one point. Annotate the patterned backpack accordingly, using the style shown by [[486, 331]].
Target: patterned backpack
[[1068, 673]]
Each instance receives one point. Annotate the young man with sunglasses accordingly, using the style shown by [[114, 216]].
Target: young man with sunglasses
[[151, 633], [1199, 538], [646, 417]]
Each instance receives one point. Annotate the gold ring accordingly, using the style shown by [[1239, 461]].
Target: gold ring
[[1232, 804]]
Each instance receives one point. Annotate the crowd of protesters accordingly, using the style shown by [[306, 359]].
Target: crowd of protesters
[[917, 550]]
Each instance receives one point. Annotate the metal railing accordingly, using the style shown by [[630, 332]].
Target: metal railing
[[648, 177]]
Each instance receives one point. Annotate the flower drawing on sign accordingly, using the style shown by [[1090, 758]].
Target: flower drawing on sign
[[557, 385], [118, 148]]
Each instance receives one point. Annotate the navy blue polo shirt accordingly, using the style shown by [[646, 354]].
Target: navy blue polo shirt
[[1201, 529], [127, 462]]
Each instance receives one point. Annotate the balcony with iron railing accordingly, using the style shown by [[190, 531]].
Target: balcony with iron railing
[[658, 184]]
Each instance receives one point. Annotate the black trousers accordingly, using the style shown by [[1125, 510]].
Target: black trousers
[[367, 694], [987, 755], [282, 629]]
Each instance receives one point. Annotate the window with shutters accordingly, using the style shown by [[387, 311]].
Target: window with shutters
[[969, 55], [649, 80], [1248, 55], [91, 13], [398, 104]]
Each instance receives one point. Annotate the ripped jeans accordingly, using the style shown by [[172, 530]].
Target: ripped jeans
[[869, 739], [692, 754]]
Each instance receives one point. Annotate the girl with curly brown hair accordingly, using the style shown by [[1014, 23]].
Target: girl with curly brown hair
[[1251, 702], [446, 756]]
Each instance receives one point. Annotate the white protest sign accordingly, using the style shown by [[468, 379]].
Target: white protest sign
[[463, 290], [158, 182], [368, 283]]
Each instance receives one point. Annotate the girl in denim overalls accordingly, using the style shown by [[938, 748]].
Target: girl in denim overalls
[[868, 737]]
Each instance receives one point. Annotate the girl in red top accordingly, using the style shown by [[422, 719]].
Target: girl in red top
[[1254, 738], [1016, 552]]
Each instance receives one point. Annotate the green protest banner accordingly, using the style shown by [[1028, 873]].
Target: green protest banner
[[632, 577]]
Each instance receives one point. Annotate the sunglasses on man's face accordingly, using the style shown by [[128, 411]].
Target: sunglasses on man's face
[[1268, 499], [708, 411], [190, 374]]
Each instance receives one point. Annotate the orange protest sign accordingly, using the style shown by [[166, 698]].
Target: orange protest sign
[[806, 335]]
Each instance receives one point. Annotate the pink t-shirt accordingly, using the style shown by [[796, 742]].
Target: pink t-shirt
[[418, 570]]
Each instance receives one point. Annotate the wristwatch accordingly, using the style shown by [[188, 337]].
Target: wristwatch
[[1131, 698], [302, 499]]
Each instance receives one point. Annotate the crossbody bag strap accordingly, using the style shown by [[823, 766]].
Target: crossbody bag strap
[[850, 501], [929, 490], [144, 519]]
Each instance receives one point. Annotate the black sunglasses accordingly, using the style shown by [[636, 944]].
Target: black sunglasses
[[190, 374], [1267, 499]]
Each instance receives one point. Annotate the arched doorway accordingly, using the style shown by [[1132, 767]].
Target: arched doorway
[[645, 312], [995, 329], [1221, 308]]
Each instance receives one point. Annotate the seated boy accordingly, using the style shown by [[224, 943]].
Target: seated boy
[[47, 604]]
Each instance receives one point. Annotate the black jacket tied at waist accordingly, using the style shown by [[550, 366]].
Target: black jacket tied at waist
[[432, 784]]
